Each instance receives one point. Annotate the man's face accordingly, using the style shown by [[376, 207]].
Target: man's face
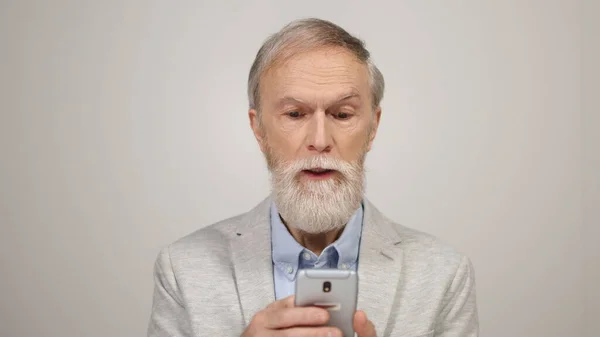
[[317, 123], [318, 103]]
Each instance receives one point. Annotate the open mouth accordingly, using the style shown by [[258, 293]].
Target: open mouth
[[317, 173]]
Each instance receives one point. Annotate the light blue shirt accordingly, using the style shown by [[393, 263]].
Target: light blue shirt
[[289, 256]]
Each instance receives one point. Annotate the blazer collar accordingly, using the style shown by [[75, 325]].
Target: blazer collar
[[379, 269], [251, 255]]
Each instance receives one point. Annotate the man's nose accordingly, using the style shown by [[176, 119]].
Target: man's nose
[[319, 135]]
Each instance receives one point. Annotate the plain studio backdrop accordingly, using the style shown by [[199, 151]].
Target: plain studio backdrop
[[124, 127]]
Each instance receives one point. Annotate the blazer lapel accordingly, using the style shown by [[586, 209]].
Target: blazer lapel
[[379, 269], [252, 261]]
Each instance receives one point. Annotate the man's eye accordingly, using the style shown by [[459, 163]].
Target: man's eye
[[294, 114], [342, 115]]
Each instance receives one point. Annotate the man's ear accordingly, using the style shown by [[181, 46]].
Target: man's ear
[[374, 126], [257, 128]]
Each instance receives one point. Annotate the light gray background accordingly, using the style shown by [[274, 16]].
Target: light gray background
[[123, 127]]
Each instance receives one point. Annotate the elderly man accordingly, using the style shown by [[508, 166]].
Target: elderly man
[[314, 109]]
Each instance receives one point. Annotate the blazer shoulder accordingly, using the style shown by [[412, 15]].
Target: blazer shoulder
[[418, 246], [213, 241], [429, 248], [210, 239]]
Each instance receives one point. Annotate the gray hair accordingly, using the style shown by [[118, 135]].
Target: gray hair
[[308, 34]]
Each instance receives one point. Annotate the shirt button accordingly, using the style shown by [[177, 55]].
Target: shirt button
[[344, 266], [306, 256], [289, 270]]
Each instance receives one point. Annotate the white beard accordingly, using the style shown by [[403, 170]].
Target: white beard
[[317, 206]]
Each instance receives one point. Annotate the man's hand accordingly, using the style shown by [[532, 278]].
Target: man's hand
[[362, 326], [282, 318]]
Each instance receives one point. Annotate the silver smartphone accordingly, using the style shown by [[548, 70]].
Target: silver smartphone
[[332, 289]]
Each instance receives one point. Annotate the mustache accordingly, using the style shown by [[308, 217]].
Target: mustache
[[323, 162], [327, 163]]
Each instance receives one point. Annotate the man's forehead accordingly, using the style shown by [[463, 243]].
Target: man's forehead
[[320, 60], [299, 97], [291, 94], [334, 81], [316, 76]]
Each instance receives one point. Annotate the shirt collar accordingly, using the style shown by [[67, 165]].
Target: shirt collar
[[286, 250]]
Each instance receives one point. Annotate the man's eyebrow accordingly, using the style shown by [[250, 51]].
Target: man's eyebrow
[[290, 99], [348, 96]]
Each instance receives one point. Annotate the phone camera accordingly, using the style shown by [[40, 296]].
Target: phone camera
[[326, 286]]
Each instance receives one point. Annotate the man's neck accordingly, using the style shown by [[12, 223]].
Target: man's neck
[[316, 243]]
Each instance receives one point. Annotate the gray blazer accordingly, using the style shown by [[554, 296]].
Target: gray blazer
[[213, 281]]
